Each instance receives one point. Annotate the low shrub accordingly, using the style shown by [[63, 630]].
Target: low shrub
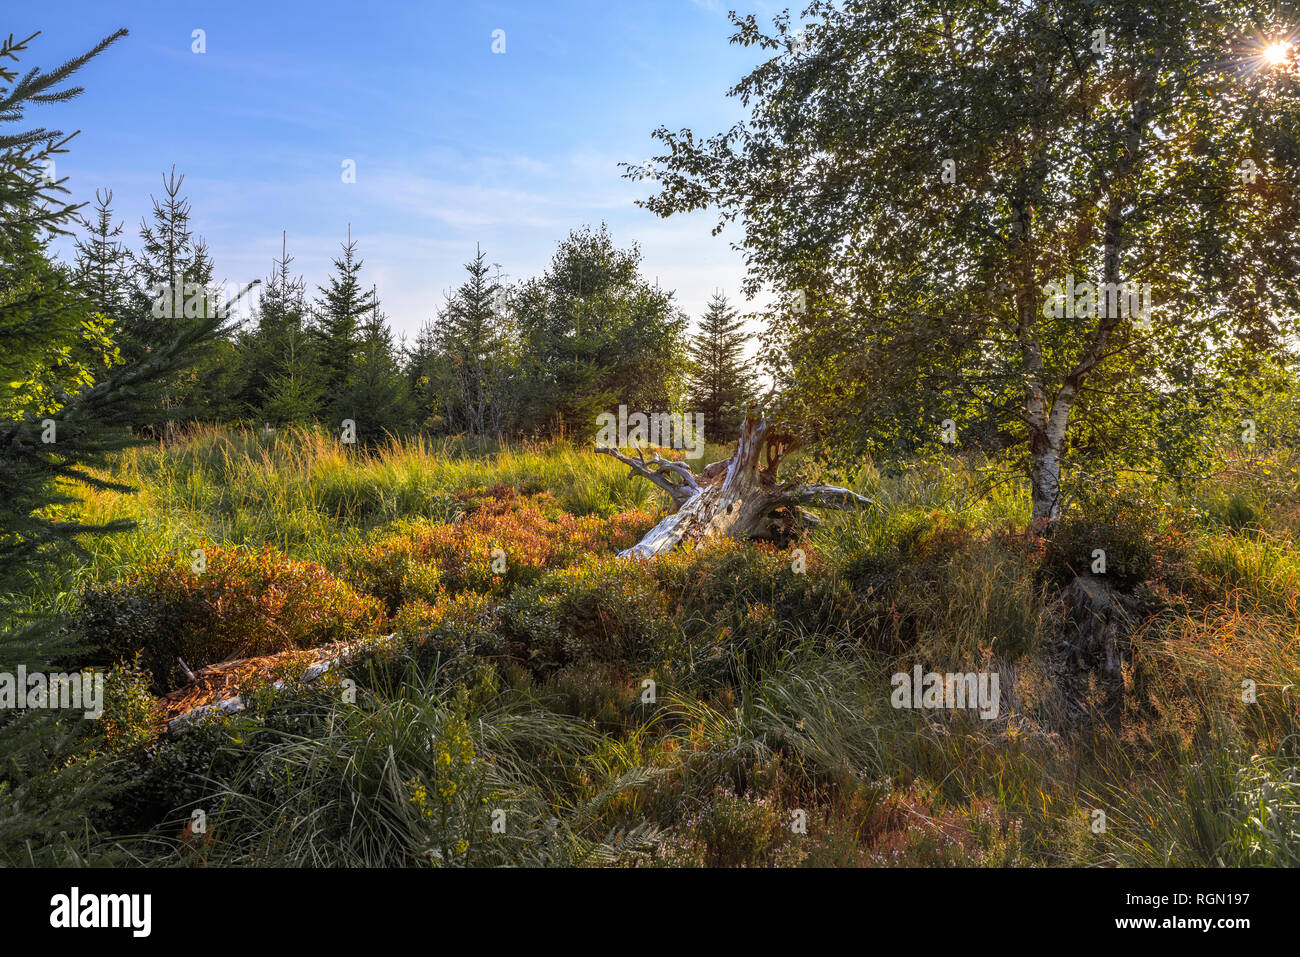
[[503, 541], [243, 603], [602, 610], [459, 626], [131, 715], [731, 830], [1137, 533]]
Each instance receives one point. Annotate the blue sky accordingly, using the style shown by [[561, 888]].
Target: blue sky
[[453, 144]]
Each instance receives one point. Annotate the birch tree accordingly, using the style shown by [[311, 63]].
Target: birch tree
[[1019, 205]]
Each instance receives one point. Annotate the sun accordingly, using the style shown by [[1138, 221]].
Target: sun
[[1276, 53]]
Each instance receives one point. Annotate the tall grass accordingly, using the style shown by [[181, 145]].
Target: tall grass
[[415, 776], [303, 492], [773, 684]]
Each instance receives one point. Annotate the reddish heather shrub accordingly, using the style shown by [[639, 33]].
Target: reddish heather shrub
[[504, 540], [463, 624], [242, 604]]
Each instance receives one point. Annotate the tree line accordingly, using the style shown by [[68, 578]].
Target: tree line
[[540, 357]]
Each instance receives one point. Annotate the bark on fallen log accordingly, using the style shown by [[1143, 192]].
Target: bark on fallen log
[[740, 497]]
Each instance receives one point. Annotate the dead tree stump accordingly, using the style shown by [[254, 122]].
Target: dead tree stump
[[740, 497]]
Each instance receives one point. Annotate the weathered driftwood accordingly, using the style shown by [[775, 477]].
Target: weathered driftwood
[[739, 497]]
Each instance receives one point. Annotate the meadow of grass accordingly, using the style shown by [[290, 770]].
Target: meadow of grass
[[518, 695]]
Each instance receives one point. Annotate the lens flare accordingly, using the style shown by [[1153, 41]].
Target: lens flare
[[1276, 53]]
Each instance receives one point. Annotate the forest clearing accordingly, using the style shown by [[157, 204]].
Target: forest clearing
[[898, 467]]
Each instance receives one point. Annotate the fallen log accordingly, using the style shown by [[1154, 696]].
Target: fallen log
[[740, 497]]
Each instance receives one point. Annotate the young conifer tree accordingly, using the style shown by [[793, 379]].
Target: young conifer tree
[[277, 378], [60, 413], [721, 382], [377, 396], [475, 341], [341, 308]]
